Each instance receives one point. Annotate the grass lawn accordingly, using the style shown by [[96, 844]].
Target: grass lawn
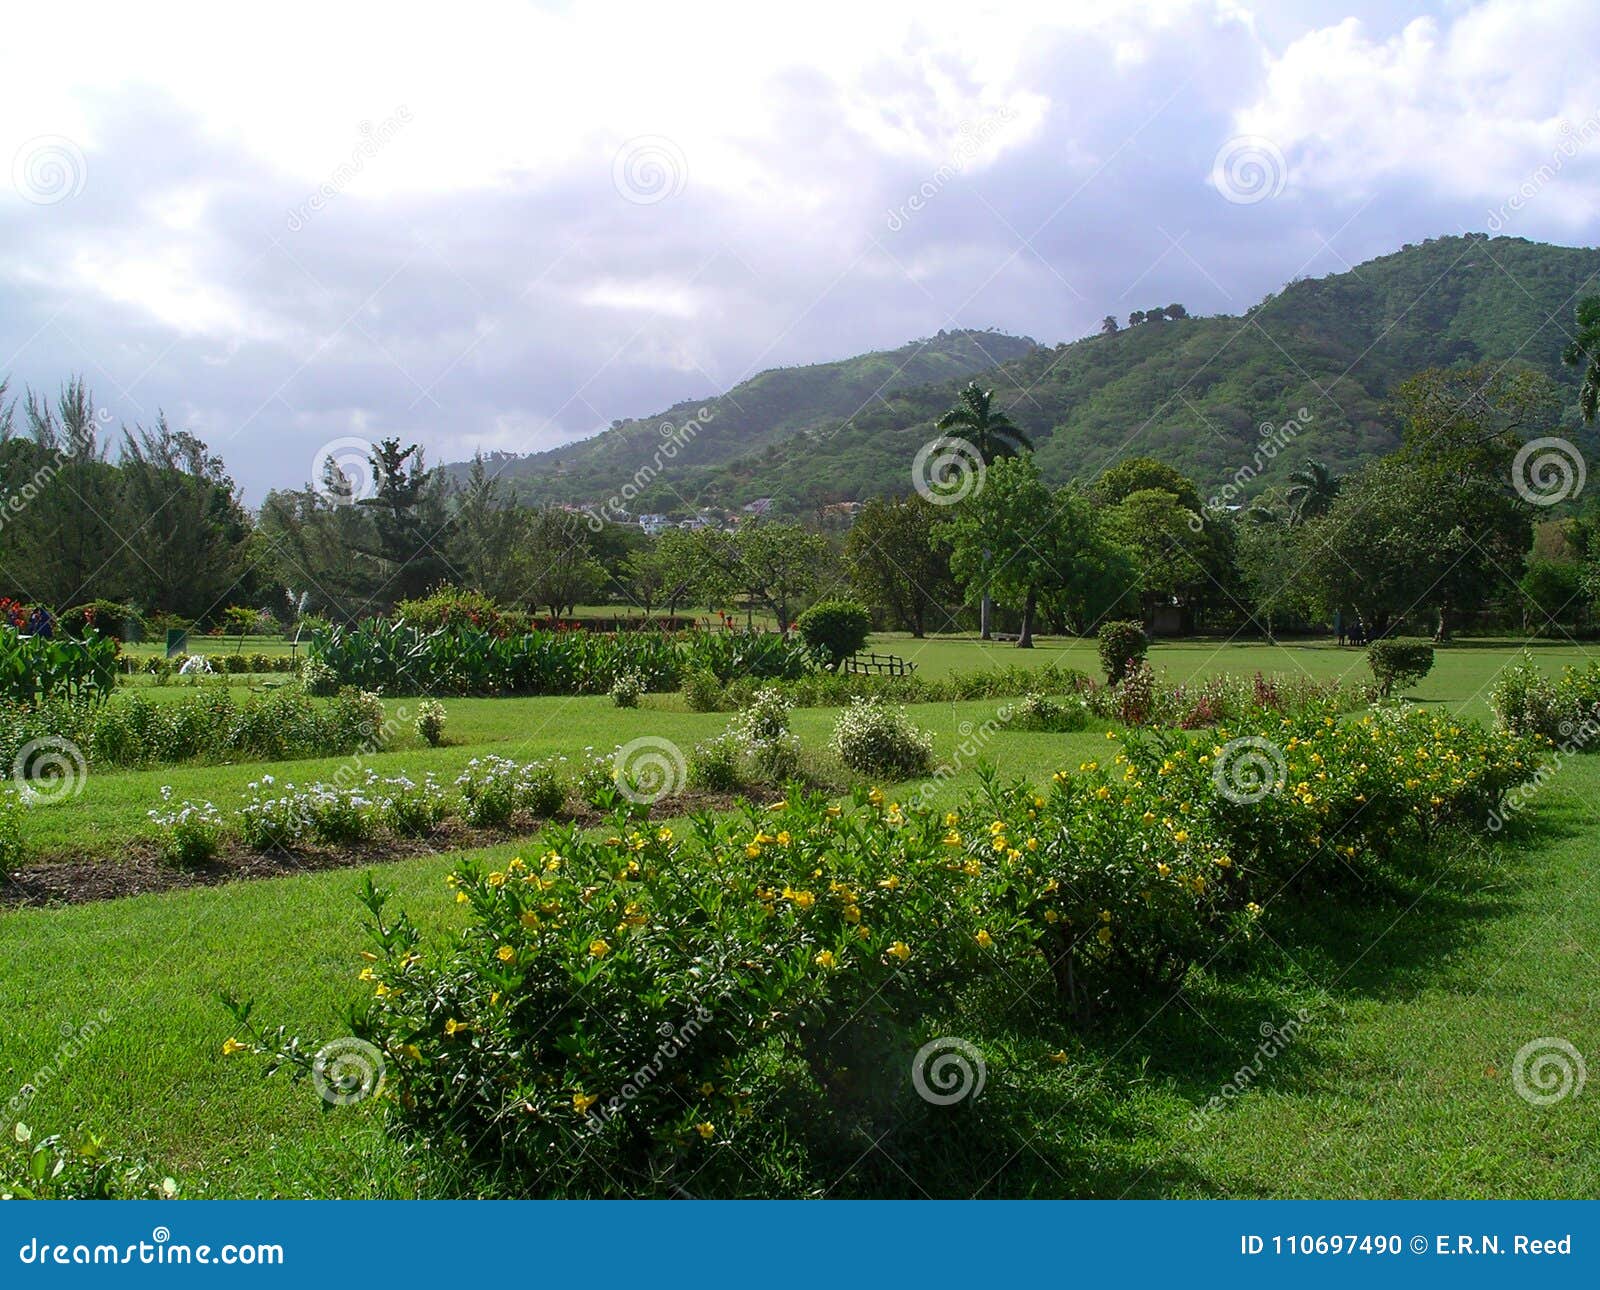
[[1399, 1082]]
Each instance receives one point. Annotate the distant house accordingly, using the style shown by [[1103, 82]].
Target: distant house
[[758, 507], [654, 524]]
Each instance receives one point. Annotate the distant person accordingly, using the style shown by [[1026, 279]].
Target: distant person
[[40, 623], [1338, 625]]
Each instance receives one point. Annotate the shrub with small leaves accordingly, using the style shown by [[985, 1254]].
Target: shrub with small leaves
[[875, 739], [627, 688], [190, 832], [1041, 712], [273, 818], [1122, 644], [1398, 666], [430, 722], [714, 766], [702, 691], [835, 629]]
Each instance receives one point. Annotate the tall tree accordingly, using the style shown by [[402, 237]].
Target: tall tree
[[992, 435], [409, 523], [1583, 352], [897, 561]]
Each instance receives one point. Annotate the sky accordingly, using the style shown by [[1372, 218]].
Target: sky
[[501, 226]]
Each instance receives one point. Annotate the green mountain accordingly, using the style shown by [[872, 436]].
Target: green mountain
[[689, 440], [1308, 370]]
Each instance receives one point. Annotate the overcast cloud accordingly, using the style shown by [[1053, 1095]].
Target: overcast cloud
[[500, 226]]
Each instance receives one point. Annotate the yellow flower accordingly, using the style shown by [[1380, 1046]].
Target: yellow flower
[[1102, 792], [891, 882], [1059, 1057], [664, 836], [826, 959], [497, 879], [707, 1089], [598, 948], [1182, 835], [779, 805], [952, 839], [852, 913], [1223, 862], [706, 1130], [1105, 935], [505, 954], [833, 812], [752, 850], [366, 974], [454, 1027], [530, 920], [411, 1051], [461, 898], [802, 899], [230, 1046], [900, 950], [581, 1102], [984, 939], [783, 838], [1032, 844], [875, 796]]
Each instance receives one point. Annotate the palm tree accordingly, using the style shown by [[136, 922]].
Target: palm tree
[[991, 435], [1312, 489], [1584, 352]]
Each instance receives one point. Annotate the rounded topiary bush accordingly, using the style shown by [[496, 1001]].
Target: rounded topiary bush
[[105, 617], [1122, 644], [1397, 666], [835, 629]]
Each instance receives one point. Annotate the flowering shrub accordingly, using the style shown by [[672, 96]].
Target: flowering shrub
[[273, 819], [190, 832], [762, 731], [618, 1002], [406, 808], [494, 789], [716, 766], [430, 722], [1526, 701], [878, 740], [339, 817], [1041, 712], [318, 679], [627, 688]]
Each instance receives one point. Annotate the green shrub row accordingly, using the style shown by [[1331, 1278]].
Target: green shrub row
[[398, 658], [129, 730]]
